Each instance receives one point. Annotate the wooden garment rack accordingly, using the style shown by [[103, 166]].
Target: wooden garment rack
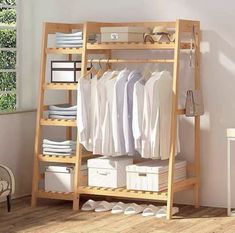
[[181, 27]]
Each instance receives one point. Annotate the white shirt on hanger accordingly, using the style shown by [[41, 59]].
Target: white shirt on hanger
[[99, 112], [83, 112], [148, 116], [107, 129], [137, 116], [117, 112], [133, 77]]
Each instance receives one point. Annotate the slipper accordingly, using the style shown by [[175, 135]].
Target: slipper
[[150, 210], [162, 212], [134, 209], [119, 208], [90, 205], [104, 206]]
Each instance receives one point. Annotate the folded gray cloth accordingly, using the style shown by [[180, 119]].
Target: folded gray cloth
[[62, 108], [52, 116], [63, 113], [58, 153], [49, 146]]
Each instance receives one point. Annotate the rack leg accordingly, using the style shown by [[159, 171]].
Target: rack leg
[[76, 203]]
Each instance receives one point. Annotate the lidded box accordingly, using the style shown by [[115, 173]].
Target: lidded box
[[108, 171], [153, 175], [122, 34], [60, 178]]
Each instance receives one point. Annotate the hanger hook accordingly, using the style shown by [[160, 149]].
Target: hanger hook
[[91, 61], [100, 64]]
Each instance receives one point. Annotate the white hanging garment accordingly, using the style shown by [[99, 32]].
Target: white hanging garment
[[158, 125], [148, 117], [137, 116], [117, 112], [107, 129], [83, 112], [99, 111], [133, 77]]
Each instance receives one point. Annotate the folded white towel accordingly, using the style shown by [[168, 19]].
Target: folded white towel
[[67, 143], [49, 146], [69, 34], [58, 150], [58, 153], [69, 46], [62, 108], [51, 116], [63, 113]]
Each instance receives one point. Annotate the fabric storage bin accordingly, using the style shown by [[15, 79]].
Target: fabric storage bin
[[65, 71], [108, 171], [60, 178], [153, 175], [122, 34]]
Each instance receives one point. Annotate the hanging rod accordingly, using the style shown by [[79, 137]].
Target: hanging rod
[[131, 60]]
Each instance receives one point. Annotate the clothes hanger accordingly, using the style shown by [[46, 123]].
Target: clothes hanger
[[92, 71], [108, 66], [100, 71]]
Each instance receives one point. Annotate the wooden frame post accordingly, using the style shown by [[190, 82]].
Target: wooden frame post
[[197, 147], [170, 193], [38, 136]]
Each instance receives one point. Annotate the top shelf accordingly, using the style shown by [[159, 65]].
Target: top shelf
[[136, 46]]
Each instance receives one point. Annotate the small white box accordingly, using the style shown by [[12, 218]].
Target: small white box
[[60, 178], [66, 71], [153, 175], [108, 171], [122, 34]]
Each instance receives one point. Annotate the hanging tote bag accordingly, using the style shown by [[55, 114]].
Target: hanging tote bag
[[194, 103]]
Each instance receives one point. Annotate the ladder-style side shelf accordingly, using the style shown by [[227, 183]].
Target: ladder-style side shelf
[[52, 28], [181, 26]]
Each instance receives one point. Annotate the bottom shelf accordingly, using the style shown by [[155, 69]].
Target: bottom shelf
[[137, 194], [119, 192], [123, 192], [55, 195]]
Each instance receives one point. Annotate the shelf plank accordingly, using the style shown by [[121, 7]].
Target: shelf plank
[[135, 46], [61, 86], [123, 192], [57, 158], [55, 195], [64, 50], [58, 122]]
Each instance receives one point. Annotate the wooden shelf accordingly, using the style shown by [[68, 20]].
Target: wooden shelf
[[138, 194], [64, 50], [58, 122], [61, 86], [123, 192], [57, 158], [135, 46], [55, 195]]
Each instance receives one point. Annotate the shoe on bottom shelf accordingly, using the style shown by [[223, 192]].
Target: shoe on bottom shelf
[[161, 213], [104, 206], [150, 210], [90, 205], [134, 209]]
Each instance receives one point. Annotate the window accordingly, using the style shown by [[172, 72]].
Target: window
[[8, 55]]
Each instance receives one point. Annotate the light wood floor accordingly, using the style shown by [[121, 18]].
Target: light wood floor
[[57, 216]]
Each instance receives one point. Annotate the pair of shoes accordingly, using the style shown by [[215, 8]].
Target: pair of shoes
[[158, 211], [98, 206]]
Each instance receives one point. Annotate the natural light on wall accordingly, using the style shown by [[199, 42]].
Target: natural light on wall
[[8, 55]]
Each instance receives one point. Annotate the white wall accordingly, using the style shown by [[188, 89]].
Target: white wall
[[218, 68], [16, 148]]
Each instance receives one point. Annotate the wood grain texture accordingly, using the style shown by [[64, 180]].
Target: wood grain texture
[[57, 216]]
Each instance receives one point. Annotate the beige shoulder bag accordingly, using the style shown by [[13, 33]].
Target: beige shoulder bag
[[194, 103]]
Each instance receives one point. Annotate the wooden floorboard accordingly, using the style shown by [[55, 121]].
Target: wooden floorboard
[[58, 217]]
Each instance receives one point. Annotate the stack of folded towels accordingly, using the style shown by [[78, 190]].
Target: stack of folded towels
[[67, 40], [73, 40], [65, 112], [65, 148]]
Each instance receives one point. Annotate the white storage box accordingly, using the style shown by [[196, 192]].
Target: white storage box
[[65, 71], [108, 171], [123, 34], [153, 175], [60, 178]]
